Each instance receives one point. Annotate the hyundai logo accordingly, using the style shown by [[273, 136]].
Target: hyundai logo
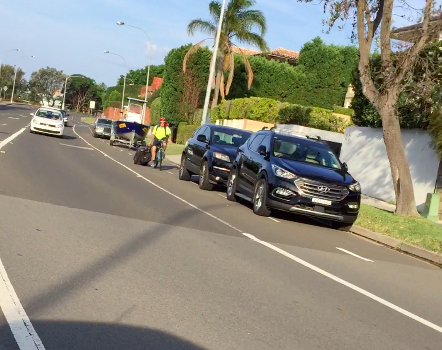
[[323, 189]]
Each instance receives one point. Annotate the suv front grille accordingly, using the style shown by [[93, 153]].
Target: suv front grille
[[316, 189]]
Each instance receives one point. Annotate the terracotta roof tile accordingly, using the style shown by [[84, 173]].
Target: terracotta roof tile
[[280, 51], [247, 52]]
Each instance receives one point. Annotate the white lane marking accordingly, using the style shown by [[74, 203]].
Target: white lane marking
[[193, 183], [221, 195], [3, 124], [276, 249], [24, 116], [21, 327], [347, 284], [2, 152], [273, 219], [353, 254], [13, 118], [167, 171], [161, 188], [88, 148], [10, 138]]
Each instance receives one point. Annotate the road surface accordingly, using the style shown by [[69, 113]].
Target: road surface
[[101, 254]]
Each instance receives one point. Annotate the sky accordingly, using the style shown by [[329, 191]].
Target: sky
[[71, 35]]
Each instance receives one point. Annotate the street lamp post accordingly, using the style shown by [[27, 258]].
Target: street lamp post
[[15, 77], [213, 65], [66, 86], [124, 80], [148, 62], [1, 59]]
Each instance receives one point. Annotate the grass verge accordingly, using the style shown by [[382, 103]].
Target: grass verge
[[88, 120], [417, 231]]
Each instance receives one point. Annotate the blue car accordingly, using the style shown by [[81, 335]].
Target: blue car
[[210, 153]]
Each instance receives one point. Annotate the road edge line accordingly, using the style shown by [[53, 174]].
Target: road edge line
[[12, 137], [19, 322]]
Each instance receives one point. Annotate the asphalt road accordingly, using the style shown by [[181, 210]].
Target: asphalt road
[[104, 254]]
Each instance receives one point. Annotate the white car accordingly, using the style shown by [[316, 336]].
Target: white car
[[47, 121]]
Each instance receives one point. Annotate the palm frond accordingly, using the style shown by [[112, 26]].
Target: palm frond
[[231, 71], [202, 26], [249, 70], [254, 18], [252, 39], [222, 87], [215, 10], [190, 52]]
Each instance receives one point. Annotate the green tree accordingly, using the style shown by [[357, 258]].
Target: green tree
[[239, 23], [46, 81], [371, 20], [139, 75], [155, 111], [7, 79], [81, 90]]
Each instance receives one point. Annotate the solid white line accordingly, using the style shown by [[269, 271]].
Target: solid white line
[[347, 284], [10, 138], [273, 219], [194, 183], [355, 255], [221, 195], [21, 327], [290, 256], [88, 148]]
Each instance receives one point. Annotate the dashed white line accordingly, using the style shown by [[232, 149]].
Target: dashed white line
[[193, 183], [221, 195], [88, 148], [3, 124], [353, 254], [10, 138], [21, 327], [13, 118], [281, 251], [273, 219], [167, 171]]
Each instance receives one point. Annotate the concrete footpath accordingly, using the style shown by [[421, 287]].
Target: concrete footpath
[[375, 236]]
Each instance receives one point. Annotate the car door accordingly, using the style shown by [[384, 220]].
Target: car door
[[190, 150], [241, 156], [201, 147], [249, 163], [258, 162]]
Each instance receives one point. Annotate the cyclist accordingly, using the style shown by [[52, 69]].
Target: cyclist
[[161, 132]]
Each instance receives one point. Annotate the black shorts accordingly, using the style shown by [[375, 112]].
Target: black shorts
[[156, 142]]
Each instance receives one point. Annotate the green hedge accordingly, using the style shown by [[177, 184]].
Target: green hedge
[[272, 111], [342, 110], [155, 111], [185, 131]]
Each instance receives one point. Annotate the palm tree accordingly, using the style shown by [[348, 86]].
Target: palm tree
[[239, 22]]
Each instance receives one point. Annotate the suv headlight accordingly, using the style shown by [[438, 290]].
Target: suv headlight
[[59, 126], [280, 172], [356, 187], [221, 156]]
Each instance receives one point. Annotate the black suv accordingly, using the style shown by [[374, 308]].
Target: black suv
[[294, 174], [210, 153]]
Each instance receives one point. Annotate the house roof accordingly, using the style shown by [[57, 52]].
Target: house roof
[[278, 52], [409, 33]]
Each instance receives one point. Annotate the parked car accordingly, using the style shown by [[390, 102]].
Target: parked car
[[210, 153], [294, 174], [47, 121], [65, 116], [103, 128]]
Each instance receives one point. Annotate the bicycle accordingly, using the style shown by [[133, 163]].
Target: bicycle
[[161, 154]]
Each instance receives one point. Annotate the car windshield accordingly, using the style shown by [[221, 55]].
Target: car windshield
[[233, 138], [104, 121], [295, 149], [50, 114]]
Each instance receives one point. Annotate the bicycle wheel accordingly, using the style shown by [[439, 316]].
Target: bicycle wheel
[[160, 158]]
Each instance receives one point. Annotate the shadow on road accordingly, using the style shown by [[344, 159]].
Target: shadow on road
[[90, 336]]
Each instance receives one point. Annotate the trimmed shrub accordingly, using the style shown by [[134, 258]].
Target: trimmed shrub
[[155, 111], [185, 132], [345, 111]]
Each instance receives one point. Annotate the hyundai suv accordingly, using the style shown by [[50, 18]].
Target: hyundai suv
[[294, 174]]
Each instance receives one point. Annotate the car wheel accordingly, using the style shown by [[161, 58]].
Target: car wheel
[[204, 177], [342, 226], [183, 172], [260, 199], [231, 186], [94, 135]]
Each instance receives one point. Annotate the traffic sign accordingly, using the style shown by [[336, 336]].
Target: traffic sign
[[5, 88]]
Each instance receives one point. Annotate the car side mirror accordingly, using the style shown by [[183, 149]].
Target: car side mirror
[[31, 114], [345, 166], [201, 138], [262, 150]]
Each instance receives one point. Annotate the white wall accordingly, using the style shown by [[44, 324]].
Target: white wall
[[304, 131], [364, 151]]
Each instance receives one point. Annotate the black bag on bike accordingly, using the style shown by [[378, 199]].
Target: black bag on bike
[[142, 156]]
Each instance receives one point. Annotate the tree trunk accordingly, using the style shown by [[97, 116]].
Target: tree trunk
[[400, 171], [219, 73]]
